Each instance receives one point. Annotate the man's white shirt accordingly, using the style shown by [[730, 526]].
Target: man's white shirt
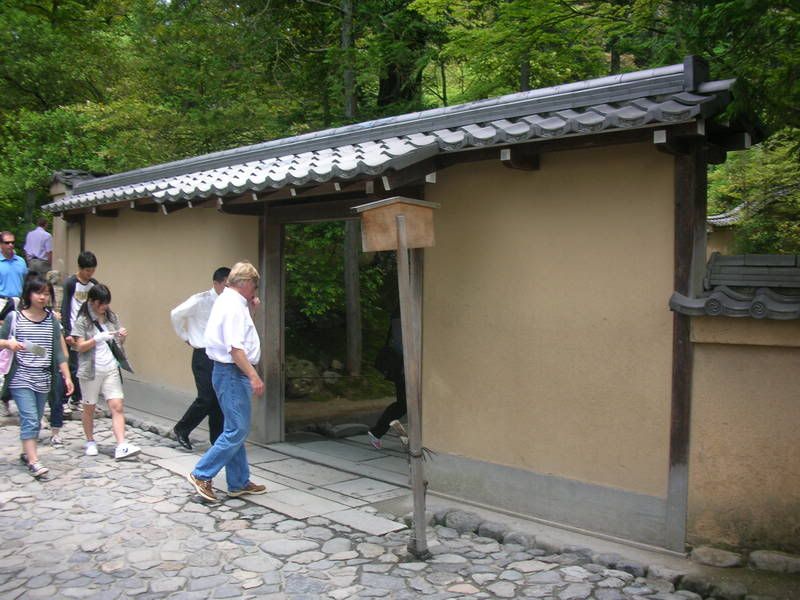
[[231, 326], [189, 319]]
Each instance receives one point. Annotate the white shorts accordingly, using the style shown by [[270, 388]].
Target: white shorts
[[107, 383]]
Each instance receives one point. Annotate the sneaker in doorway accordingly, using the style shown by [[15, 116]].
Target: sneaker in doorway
[[249, 488], [37, 469], [91, 449], [56, 441], [375, 441], [126, 450], [204, 487]]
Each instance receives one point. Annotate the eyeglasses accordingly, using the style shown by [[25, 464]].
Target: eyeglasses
[[12, 242]]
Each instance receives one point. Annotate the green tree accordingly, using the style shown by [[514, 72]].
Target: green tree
[[765, 181]]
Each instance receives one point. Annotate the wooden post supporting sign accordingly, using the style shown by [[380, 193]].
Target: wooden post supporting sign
[[406, 225]]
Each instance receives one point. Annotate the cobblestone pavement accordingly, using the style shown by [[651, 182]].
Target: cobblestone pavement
[[96, 528]]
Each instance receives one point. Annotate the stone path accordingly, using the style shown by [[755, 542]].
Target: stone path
[[96, 528]]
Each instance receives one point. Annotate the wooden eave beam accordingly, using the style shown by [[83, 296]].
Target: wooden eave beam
[[416, 173], [147, 206], [332, 209], [98, 212], [167, 208]]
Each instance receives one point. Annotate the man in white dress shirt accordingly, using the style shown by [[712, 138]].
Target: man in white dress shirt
[[233, 345], [189, 319]]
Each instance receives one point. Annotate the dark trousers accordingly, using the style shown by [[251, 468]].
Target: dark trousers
[[395, 410], [73, 371], [206, 403], [56, 401]]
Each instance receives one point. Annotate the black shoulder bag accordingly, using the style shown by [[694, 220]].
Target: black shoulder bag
[[119, 355]]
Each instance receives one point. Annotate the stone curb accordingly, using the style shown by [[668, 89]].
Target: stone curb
[[688, 586]]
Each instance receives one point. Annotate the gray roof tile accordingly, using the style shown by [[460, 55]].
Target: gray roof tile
[[641, 99]]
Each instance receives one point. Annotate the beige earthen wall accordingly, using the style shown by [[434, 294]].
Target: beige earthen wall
[[547, 342], [151, 263], [720, 240], [744, 465]]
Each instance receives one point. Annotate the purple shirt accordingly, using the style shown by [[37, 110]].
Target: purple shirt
[[38, 244]]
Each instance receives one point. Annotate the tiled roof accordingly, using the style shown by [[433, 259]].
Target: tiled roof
[[746, 286], [736, 214], [668, 95], [729, 217]]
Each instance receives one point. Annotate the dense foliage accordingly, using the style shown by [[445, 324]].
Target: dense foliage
[[111, 85]]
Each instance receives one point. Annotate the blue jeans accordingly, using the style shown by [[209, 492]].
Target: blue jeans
[[234, 392], [30, 405]]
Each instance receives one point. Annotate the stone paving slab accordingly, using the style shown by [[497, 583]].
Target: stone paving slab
[[365, 522], [389, 463], [359, 469], [362, 487], [306, 472], [299, 501], [340, 450], [257, 455]]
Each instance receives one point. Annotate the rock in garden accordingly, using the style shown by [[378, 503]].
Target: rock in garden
[[775, 561], [495, 531], [463, 521], [715, 557]]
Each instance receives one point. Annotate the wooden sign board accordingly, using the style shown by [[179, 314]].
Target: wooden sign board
[[379, 223]]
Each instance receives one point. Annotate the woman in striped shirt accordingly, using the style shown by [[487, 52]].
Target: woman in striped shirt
[[38, 358]]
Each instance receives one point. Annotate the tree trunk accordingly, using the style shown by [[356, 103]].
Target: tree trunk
[[444, 83], [352, 296], [349, 73], [525, 72], [615, 57]]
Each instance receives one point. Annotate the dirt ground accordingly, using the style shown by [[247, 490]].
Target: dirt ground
[[338, 410]]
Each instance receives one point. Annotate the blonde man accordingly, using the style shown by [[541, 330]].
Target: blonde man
[[232, 343]]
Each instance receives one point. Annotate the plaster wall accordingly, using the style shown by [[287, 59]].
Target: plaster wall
[[547, 338], [744, 465], [152, 263], [720, 240]]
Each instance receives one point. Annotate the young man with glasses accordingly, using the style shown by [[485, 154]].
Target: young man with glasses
[[12, 273]]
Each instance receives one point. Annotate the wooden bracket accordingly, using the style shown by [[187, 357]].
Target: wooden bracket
[[520, 157], [732, 141], [668, 142]]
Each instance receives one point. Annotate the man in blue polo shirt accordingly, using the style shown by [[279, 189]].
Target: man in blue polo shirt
[[12, 273], [12, 268]]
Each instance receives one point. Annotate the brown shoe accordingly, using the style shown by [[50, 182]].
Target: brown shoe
[[203, 487], [249, 488]]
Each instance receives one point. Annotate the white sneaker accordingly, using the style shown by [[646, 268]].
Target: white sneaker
[[126, 450], [91, 448]]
